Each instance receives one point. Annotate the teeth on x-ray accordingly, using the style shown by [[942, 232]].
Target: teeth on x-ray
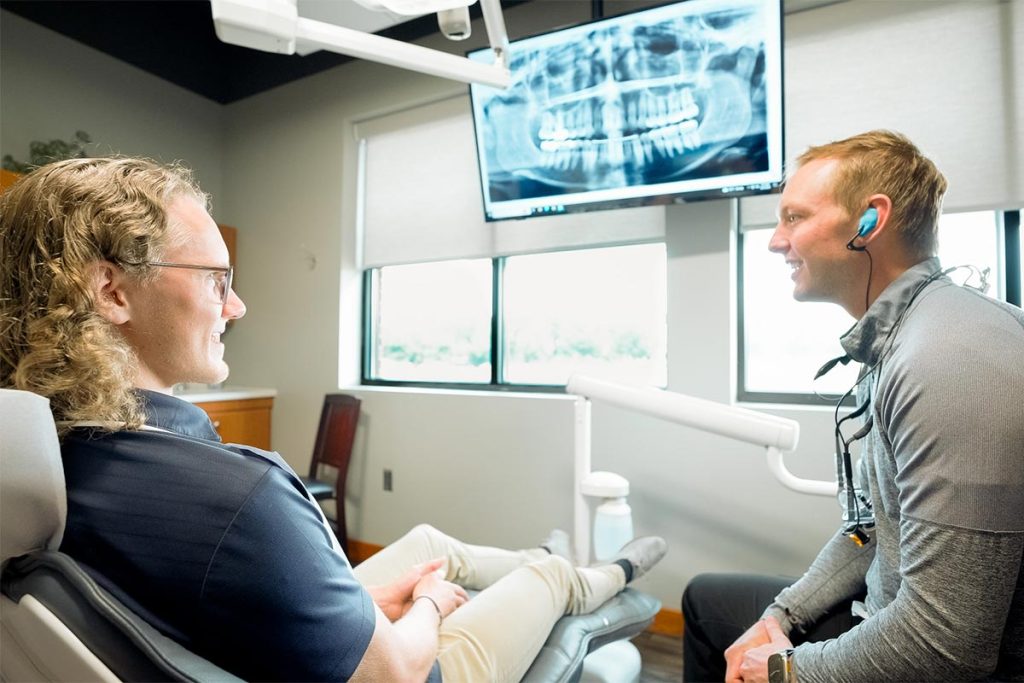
[[643, 103]]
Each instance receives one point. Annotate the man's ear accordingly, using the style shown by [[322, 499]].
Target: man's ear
[[883, 205], [108, 288]]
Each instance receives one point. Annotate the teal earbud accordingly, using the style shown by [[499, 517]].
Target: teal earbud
[[868, 221]]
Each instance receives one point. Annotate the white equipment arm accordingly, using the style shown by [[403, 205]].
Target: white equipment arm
[[275, 26], [751, 426], [776, 434]]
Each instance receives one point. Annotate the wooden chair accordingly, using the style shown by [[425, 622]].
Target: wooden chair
[[334, 439]]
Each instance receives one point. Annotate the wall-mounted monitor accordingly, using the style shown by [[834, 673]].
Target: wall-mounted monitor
[[671, 103]]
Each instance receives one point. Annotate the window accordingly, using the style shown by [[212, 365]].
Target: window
[[432, 322], [782, 342], [974, 239], [520, 321], [598, 311]]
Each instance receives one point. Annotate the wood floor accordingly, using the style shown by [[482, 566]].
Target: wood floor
[[662, 658]]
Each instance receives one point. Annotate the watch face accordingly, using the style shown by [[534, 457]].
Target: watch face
[[778, 667]]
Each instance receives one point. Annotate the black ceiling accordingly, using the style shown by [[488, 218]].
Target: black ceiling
[[175, 40]]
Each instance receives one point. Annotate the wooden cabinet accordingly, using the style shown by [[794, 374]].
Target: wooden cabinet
[[230, 236], [7, 178], [243, 421]]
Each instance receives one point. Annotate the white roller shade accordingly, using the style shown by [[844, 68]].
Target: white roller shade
[[758, 212], [422, 202], [936, 71], [955, 88], [421, 190]]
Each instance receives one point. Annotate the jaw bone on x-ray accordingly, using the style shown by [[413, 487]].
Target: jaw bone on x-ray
[[631, 104]]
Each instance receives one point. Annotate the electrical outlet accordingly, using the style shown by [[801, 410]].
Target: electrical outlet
[[387, 480]]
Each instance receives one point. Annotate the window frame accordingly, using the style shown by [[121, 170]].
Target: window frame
[[1008, 222], [496, 325], [497, 381]]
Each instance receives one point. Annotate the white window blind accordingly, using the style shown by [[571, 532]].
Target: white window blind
[[954, 89], [758, 212], [421, 197]]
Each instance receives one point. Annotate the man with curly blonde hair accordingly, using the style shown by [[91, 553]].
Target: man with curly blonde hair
[[114, 286], [71, 232]]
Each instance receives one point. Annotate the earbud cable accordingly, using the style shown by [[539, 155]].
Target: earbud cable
[[871, 269]]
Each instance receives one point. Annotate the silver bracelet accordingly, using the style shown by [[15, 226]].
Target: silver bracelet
[[433, 602]]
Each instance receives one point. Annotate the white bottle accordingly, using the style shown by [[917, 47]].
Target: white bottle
[[613, 527]]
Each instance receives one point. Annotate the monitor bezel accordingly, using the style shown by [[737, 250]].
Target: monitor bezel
[[775, 171]]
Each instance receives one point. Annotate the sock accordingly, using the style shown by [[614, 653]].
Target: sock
[[627, 567], [557, 543]]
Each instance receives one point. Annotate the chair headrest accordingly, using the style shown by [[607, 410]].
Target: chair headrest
[[33, 499]]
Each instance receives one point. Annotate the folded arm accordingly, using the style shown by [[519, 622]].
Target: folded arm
[[835, 576], [405, 650], [940, 626]]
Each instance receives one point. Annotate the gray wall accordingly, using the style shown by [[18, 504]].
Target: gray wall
[[51, 86], [494, 467]]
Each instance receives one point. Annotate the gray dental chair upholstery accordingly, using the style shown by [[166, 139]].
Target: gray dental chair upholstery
[[57, 624]]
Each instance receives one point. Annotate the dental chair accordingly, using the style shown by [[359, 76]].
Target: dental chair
[[57, 624]]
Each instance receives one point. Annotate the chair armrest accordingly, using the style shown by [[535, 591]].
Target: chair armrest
[[573, 637]]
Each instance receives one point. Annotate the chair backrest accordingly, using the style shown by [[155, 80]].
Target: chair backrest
[[56, 622], [33, 501], [336, 434]]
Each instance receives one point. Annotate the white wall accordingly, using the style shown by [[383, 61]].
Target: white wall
[[497, 467], [51, 86]]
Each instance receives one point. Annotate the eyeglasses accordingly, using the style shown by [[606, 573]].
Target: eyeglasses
[[222, 276]]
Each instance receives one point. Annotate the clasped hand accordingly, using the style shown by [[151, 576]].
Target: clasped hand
[[746, 660], [396, 598]]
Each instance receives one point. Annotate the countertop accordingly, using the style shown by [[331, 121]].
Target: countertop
[[228, 393]]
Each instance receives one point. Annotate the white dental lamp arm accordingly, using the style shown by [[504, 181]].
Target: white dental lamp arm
[[321, 35], [497, 35], [275, 26], [751, 426], [775, 434]]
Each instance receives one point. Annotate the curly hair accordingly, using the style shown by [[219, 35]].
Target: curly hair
[[889, 163], [56, 223]]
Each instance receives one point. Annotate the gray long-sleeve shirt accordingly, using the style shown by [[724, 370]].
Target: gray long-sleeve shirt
[[944, 467]]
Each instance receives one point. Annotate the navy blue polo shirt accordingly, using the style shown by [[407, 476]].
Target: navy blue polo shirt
[[218, 546]]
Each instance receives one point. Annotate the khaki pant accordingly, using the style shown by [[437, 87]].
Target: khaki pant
[[497, 634]]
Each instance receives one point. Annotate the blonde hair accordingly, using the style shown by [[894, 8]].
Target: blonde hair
[[55, 224], [886, 162]]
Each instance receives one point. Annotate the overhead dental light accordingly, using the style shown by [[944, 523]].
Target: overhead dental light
[[452, 15], [775, 434], [275, 26]]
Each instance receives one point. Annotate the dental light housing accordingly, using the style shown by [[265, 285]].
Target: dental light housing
[[674, 103]]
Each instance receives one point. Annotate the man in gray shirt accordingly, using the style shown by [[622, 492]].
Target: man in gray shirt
[[924, 579]]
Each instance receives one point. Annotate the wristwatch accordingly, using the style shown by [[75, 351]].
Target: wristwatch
[[780, 667]]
